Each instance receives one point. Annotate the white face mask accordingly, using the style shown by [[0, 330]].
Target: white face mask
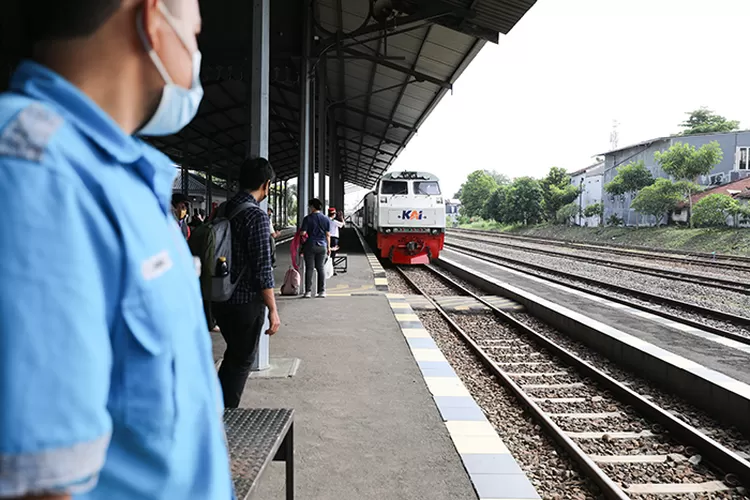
[[178, 105]]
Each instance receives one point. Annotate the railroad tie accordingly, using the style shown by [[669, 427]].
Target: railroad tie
[[609, 435], [536, 374], [676, 488], [605, 414], [638, 459], [569, 385], [559, 400]]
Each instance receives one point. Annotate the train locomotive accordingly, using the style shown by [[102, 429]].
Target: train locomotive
[[404, 217]]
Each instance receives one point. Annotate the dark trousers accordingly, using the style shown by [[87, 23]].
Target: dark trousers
[[315, 259], [334, 244], [210, 320], [241, 326]]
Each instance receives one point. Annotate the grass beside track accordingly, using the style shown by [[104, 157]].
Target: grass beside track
[[725, 240]]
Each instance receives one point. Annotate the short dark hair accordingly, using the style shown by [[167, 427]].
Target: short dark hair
[[67, 19], [316, 204], [255, 172], [178, 198]]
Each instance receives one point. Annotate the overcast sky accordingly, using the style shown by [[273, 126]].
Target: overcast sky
[[548, 93]]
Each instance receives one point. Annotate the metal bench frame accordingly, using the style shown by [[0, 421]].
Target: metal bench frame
[[338, 260], [256, 437]]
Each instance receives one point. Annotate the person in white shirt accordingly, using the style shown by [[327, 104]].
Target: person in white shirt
[[337, 221]]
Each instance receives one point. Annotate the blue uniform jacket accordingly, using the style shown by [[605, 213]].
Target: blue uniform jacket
[[107, 383]]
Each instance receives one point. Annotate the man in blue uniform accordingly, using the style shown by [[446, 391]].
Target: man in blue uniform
[[107, 385]]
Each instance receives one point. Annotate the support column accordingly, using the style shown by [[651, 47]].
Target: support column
[[208, 191], [304, 175], [332, 166], [312, 138], [321, 145], [285, 204], [257, 87]]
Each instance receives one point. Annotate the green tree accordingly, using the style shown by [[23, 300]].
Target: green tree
[[630, 179], [557, 191], [658, 199], [496, 205], [524, 201], [705, 121], [567, 213], [501, 179], [475, 191], [713, 210], [595, 210], [685, 163]]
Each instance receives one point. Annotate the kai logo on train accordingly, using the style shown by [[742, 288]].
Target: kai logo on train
[[411, 215]]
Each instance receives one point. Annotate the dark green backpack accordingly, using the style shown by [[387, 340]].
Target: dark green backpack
[[209, 242]]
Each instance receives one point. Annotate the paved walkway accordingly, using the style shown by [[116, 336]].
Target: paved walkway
[[366, 426]]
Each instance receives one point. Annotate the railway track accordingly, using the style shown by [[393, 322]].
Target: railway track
[[692, 309], [592, 416], [727, 262], [710, 281]]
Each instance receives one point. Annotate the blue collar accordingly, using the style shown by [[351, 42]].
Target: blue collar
[[43, 84]]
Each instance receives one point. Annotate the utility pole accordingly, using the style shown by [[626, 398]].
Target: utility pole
[[614, 136]]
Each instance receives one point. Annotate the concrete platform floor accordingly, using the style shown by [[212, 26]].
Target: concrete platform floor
[[366, 426]]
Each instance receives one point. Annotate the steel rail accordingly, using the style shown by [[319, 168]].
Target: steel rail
[[695, 279], [607, 486], [718, 455], [722, 261], [646, 296]]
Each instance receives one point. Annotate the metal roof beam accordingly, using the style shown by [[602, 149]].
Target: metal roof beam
[[369, 157], [355, 151], [220, 111], [360, 131], [417, 75], [435, 10], [366, 114]]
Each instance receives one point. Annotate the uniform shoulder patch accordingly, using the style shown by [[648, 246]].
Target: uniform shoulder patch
[[27, 135]]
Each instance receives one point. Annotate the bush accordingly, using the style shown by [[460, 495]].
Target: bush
[[713, 210], [614, 221], [567, 213]]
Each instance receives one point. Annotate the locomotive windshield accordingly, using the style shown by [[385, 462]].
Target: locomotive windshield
[[426, 187], [394, 187]]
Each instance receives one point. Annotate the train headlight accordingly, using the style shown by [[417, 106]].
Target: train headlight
[[387, 230], [383, 199], [435, 231]]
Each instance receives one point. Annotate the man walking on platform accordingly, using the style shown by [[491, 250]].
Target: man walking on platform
[[241, 318], [109, 390], [317, 229]]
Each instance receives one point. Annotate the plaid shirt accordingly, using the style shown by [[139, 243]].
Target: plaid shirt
[[251, 247]]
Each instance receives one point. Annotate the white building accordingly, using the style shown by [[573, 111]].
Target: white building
[[590, 180]]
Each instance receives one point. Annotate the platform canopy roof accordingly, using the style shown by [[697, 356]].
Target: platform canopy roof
[[387, 65]]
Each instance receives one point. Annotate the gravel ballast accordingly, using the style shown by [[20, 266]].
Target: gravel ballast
[[725, 300], [507, 347]]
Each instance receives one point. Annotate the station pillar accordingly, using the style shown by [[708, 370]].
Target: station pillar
[[304, 176], [321, 143], [257, 92]]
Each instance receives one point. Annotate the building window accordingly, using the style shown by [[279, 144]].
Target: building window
[[742, 158]]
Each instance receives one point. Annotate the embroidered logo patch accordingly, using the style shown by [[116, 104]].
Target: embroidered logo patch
[[155, 266]]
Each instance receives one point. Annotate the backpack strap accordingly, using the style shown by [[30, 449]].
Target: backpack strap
[[239, 209]]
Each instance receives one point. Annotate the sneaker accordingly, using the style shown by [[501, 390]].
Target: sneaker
[[321, 295], [307, 295]]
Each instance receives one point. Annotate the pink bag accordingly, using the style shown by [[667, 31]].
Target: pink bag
[[295, 248], [291, 282]]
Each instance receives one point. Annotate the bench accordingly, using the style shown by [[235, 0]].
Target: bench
[[256, 437], [341, 262]]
